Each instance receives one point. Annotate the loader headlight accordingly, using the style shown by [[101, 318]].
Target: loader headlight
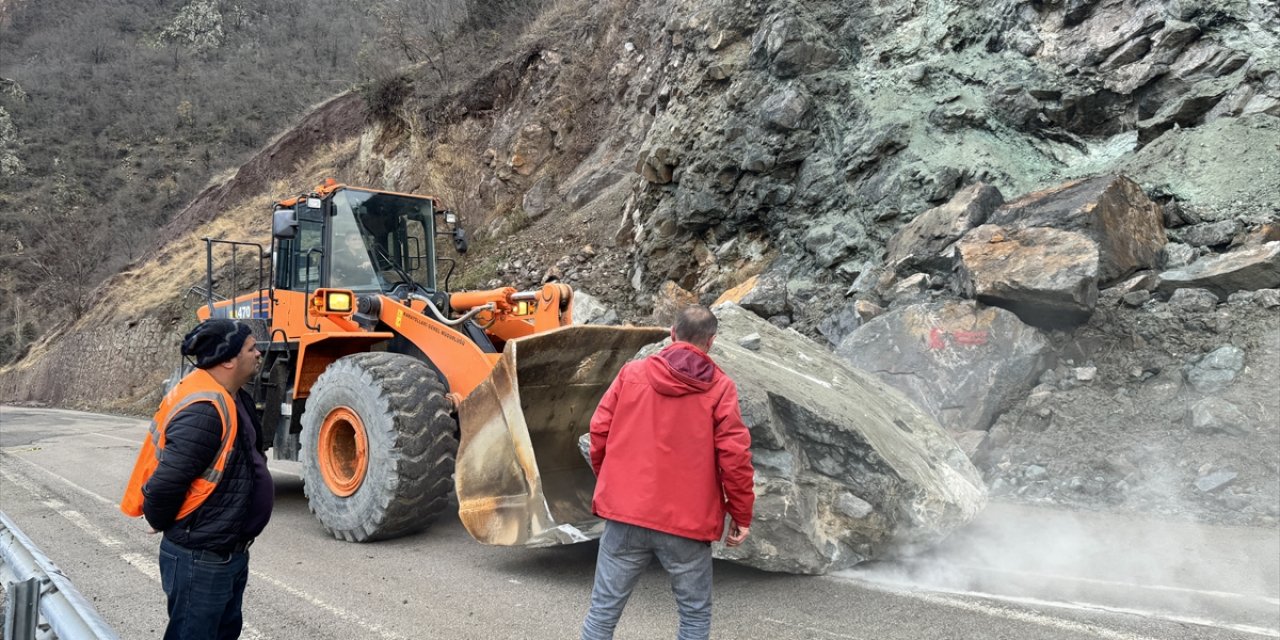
[[338, 301], [332, 302]]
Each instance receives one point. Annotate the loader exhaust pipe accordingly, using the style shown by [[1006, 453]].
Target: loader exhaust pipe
[[520, 477]]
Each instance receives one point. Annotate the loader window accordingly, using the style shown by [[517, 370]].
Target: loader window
[[397, 239], [350, 263], [417, 257], [298, 258]]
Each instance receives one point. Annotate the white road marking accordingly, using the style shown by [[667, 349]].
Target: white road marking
[[1009, 614], [82, 523], [1062, 623], [1109, 583], [802, 627], [75, 517], [339, 612], [137, 441], [64, 480], [1084, 606], [138, 562], [147, 566]]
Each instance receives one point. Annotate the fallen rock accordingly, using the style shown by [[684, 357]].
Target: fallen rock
[[847, 469], [962, 362], [1046, 276], [920, 243], [1176, 215], [1267, 298], [1245, 269], [1216, 481], [840, 323], [1215, 415], [1193, 300], [1240, 297], [587, 309], [1144, 281], [847, 319], [1113, 211], [1269, 232], [866, 281], [866, 310], [1136, 298], [764, 295], [1176, 255], [910, 289], [1216, 371], [1211, 234]]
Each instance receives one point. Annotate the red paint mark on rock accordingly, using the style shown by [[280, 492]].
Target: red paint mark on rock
[[935, 339]]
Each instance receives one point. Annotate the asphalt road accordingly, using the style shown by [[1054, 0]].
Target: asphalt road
[[1017, 573]]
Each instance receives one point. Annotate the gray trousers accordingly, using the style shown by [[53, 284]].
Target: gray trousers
[[625, 551]]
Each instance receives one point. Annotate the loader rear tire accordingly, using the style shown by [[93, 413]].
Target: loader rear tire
[[378, 447]]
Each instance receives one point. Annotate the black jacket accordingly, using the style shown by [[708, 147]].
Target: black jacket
[[191, 443]]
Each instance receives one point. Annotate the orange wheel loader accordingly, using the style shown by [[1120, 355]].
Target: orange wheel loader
[[392, 391]]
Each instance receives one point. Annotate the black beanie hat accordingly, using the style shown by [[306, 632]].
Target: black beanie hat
[[214, 342]]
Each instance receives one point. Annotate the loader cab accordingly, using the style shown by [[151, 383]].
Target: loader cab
[[358, 239]]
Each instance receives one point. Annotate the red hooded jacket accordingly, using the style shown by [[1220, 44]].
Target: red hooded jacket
[[669, 447]]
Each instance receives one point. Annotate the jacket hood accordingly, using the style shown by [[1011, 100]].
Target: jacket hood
[[681, 369]]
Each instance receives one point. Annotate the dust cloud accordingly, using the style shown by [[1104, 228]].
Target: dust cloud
[[1135, 564]]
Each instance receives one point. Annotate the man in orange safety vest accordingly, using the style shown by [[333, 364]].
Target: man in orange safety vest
[[202, 480]]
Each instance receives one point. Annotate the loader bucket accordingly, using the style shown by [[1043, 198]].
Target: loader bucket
[[520, 478]]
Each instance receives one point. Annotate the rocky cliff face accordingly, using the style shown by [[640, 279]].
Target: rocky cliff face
[[644, 151], [828, 128], [726, 139]]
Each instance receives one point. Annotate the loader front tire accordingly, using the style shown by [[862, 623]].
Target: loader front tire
[[378, 447]]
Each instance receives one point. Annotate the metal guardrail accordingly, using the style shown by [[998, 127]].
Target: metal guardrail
[[40, 602]]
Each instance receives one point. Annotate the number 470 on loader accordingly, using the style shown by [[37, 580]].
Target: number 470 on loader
[[393, 391]]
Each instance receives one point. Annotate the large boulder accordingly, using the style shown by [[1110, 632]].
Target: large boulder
[[1113, 211], [847, 468], [765, 295], [588, 309], [920, 243], [1246, 269], [960, 361], [1046, 276]]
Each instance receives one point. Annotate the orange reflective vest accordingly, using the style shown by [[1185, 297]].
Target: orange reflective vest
[[197, 386]]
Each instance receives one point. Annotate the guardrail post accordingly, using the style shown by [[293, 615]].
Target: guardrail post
[[59, 606], [22, 610]]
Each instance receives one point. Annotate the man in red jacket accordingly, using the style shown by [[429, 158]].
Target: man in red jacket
[[671, 457]]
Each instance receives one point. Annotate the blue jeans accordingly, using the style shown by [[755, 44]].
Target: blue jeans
[[205, 590], [625, 551]]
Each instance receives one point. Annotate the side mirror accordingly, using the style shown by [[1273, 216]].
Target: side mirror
[[284, 223], [459, 240]]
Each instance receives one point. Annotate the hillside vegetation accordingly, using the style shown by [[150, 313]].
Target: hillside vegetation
[[114, 115]]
